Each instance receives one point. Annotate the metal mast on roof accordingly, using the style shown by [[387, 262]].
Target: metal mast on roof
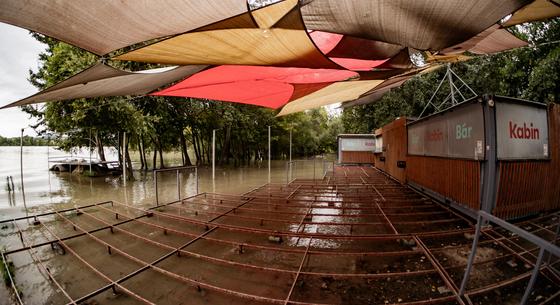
[[455, 95]]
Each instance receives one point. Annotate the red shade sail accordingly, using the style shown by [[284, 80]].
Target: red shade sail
[[270, 87], [355, 53]]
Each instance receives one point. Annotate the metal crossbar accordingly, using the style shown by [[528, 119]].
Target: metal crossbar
[[176, 170], [543, 245]]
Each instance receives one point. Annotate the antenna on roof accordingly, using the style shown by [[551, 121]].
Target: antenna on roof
[[455, 95]]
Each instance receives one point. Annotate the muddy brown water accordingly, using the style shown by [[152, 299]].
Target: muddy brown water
[[46, 191]]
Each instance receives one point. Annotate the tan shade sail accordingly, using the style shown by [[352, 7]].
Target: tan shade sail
[[335, 93], [376, 94], [101, 26], [500, 40], [538, 10], [421, 24], [102, 80], [235, 42], [492, 40]]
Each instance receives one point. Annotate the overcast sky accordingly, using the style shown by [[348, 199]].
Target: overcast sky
[[19, 52]]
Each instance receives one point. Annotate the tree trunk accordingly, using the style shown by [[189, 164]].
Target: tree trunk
[[154, 160], [142, 163], [100, 151], [160, 149], [196, 147], [186, 159], [225, 148], [143, 152], [128, 162], [204, 149]]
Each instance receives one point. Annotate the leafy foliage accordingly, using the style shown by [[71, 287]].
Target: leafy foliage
[[531, 73], [160, 124]]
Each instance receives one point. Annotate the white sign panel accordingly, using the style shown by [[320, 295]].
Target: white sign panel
[[357, 144], [458, 133], [416, 134], [522, 132], [379, 144]]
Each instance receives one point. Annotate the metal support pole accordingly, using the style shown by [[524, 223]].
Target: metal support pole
[[21, 169], [533, 278], [156, 188], [471, 257], [489, 168], [89, 148], [124, 158], [48, 143], [290, 164], [450, 79], [269, 154], [314, 170], [213, 155], [196, 177], [554, 240], [178, 186], [433, 96]]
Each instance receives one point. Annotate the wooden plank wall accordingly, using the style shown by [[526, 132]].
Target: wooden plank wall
[[529, 187], [456, 179], [365, 157], [378, 163], [395, 148]]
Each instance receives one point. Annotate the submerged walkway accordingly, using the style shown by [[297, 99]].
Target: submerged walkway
[[353, 237]]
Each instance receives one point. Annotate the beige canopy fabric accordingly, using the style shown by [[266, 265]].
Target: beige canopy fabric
[[538, 10], [492, 40], [102, 26], [335, 93], [376, 94], [102, 80], [420, 24], [500, 40], [285, 44]]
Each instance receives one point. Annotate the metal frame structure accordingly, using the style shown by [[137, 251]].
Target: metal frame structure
[[291, 167], [542, 245], [455, 95], [291, 234], [176, 169]]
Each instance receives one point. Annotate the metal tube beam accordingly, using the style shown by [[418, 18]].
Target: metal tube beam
[[472, 255], [213, 155], [12, 282], [533, 278], [21, 169], [124, 165]]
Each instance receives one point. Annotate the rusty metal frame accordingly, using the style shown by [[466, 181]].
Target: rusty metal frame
[[373, 194]]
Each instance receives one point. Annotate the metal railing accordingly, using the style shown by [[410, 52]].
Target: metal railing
[[543, 245], [292, 166], [176, 169]]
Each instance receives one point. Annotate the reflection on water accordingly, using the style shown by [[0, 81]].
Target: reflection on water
[[45, 189]]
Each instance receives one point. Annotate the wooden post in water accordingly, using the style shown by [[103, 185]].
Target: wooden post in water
[[21, 169]]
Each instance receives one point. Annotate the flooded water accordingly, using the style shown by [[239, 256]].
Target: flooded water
[[45, 190]]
